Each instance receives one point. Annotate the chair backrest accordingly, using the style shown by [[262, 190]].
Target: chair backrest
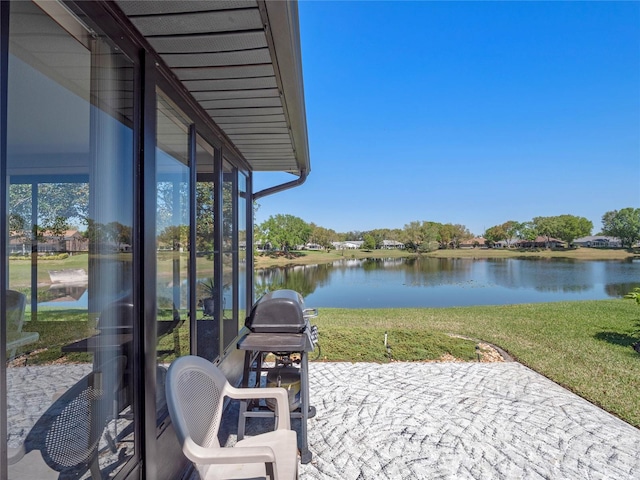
[[195, 390], [16, 303]]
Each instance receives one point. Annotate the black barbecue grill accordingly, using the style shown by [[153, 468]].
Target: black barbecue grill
[[279, 324], [280, 311]]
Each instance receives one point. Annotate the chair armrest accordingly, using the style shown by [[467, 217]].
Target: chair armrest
[[223, 455], [14, 455], [278, 393]]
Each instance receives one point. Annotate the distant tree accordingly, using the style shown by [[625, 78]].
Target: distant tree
[[369, 242], [205, 214], [17, 223], [379, 235], [394, 234], [420, 236], [451, 235], [173, 237], [57, 228], [563, 227], [285, 231], [413, 235], [322, 236], [352, 235], [546, 227], [494, 234], [57, 203], [429, 237], [623, 224], [570, 227], [526, 231], [510, 228], [121, 234]]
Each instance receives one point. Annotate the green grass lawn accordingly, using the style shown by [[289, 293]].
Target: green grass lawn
[[584, 346], [20, 269]]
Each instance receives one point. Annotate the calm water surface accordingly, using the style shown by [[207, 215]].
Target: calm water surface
[[444, 282]]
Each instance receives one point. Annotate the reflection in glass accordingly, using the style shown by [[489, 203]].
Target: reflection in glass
[[172, 237], [70, 169], [243, 202], [208, 317], [229, 254]]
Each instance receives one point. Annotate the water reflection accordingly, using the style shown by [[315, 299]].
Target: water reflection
[[304, 279], [423, 282]]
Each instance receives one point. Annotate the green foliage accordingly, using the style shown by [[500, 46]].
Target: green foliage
[[369, 242], [284, 231], [116, 232], [526, 231], [634, 294], [571, 227], [173, 237], [322, 236], [208, 287], [56, 201], [205, 214], [508, 230], [563, 227], [495, 234], [451, 235], [41, 258], [421, 236], [624, 224]]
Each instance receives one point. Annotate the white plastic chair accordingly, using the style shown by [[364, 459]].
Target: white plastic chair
[[195, 392]]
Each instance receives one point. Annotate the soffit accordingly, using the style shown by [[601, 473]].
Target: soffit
[[240, 60]]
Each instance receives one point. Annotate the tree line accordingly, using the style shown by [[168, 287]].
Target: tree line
[[58, 203], [283, 231]]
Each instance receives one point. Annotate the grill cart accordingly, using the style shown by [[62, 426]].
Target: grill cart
[[279, 327]]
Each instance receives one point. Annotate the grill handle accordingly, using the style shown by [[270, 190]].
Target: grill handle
[[310, 312]]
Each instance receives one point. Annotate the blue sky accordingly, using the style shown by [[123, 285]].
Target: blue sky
[[466, 112]]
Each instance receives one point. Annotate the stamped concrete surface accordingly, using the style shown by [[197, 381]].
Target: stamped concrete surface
[[459, 421]]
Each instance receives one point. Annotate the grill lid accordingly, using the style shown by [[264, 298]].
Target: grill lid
[[280, 311]]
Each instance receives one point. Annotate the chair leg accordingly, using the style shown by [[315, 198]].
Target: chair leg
[[176, 342], [95, 469], [269, 469]]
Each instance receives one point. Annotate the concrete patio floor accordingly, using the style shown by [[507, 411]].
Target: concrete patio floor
[[458, 421]]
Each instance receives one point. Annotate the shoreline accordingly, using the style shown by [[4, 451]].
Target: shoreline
[[307, 257]]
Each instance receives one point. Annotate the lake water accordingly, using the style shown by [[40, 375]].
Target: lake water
[[444, 282]]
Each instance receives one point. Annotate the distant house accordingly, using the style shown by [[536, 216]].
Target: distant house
[[598, 241], [69, 241], [476, 242], [313, 246], [263, 247], [541, 242], [19, 243], [348, 245], [392, 244], [505, 243]]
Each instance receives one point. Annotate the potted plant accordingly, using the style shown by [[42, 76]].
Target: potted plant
[[208, 301]]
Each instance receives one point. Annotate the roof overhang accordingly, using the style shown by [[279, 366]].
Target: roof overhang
[[241, 62]]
